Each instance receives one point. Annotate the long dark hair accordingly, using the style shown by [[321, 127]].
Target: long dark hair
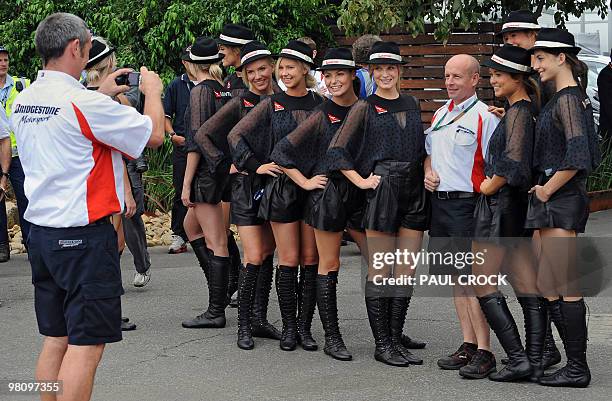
[[579, 68], [533, 89]]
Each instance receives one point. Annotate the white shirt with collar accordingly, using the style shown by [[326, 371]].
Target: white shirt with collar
[[457, 150], [4, 125], [71, 142]]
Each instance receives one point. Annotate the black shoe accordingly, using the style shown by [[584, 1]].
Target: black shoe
[[398, 307], [378, 315], [411, 343], [286, 278], [459, 358], [259, 320], [126, 325], [495, 309], [306, 307], [234, 270], [5, 252], [481, 365], [572, 322], [328, 311], [534, 313], [246, 293], [214, 317]]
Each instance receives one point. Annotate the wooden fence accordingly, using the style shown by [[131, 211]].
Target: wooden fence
[[423, 76]]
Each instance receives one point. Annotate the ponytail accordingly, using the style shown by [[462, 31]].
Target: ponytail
[[214, 70], [579, 70]]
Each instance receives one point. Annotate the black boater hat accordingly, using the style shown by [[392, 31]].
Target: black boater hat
[[98, 52], [385, 53], [512, 59], [520, 20], [298, 51], [252, 51], [555, 40], [339, 58], [235, 35], [204, 51]]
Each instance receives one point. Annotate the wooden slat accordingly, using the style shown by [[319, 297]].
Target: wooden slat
[[431, 106], [450, 49], [458, 38], [436, 61], [433, 72], [432, 83], [484, 93]]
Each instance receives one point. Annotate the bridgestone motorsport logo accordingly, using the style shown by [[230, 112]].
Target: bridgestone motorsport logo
[[380, 110], [333, 119], [278, 107], [247, 103]]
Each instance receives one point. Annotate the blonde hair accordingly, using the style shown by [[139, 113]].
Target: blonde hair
[[398, 84], [214, 70], [311, 82], [103, 67], [245, 79]]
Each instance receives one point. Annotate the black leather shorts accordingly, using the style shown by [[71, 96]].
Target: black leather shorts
[[282, 200], [247, 191], [501, 215], [210, 188]]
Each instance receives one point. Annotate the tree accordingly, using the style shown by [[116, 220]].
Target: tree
[[375, 16]]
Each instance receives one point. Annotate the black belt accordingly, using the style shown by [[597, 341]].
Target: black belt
[[102, 221], [454, 194]]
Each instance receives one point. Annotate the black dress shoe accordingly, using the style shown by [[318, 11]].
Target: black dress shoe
[[481, 365], [127, 326], [459, 358]]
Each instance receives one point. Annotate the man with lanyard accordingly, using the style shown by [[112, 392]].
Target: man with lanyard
[[9, 89], [71, 149], [456, 145], [176, 100]]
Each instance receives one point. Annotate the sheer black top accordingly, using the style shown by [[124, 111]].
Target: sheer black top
[[305, 148], [511, 146], [205, 99], [212, 135], [254, 137], [235, 85], [565, 134], [378, 129]]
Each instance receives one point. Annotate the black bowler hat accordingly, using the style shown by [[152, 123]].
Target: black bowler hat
[[555, 40], [298, 51], [520, 20], [339, 58], [235, 35], [385, 53], [204, 51], [99, 51], [512, 59], [252, 51], [185, 54]]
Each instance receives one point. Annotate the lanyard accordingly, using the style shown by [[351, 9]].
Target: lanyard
[[454, 120]]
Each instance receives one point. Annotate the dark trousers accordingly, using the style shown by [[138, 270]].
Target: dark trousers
[[17, 178], [179, 163], [134, 228]]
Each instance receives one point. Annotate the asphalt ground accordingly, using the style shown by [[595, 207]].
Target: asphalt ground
[[161, 361]]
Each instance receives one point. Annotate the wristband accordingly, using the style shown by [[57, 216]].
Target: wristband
[[171, 134]]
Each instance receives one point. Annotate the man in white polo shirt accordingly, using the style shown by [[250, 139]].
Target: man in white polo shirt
[[71, 142], [456, 145]]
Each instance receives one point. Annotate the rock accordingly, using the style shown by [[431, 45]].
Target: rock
[[12, 214]]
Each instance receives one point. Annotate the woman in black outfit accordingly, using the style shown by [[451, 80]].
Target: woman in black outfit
[[202, 191], [257, 67], [252, 141], [565, 152], [332, 204], [381, 147], [500, 217]]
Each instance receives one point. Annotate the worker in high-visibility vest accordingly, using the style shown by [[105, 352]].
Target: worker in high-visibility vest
[[10, 87]]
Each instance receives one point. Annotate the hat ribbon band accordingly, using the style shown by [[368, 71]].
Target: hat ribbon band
[[297, 54], [334, 61], [523, 25], [385, 55], [253, 54], [234, 40], [511, 64], [202, 58]]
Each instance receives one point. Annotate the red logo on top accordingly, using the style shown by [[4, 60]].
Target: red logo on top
[[380, 110], [217, 94], [333, 119], [247, 103], [278, 107]]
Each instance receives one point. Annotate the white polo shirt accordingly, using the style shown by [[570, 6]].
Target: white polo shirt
[[457, 150], [70, 143]]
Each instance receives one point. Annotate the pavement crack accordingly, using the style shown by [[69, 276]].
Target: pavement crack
[[164, 350]]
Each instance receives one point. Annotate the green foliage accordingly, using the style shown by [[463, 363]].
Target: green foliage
[[158, 179], [601, 178], [375, 16]]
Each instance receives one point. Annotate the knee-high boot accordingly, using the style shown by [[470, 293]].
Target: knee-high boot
[[328, 312], [259, 320], [246, 294], [570, 318], [306, 306], [235, 267], [495, 309], [286, 280], [398, 306], [534, 313]]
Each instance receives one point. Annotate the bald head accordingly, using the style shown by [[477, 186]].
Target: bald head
[[461, 74]]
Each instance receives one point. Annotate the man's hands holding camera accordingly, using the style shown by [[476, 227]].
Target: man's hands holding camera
[[150, 83]]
